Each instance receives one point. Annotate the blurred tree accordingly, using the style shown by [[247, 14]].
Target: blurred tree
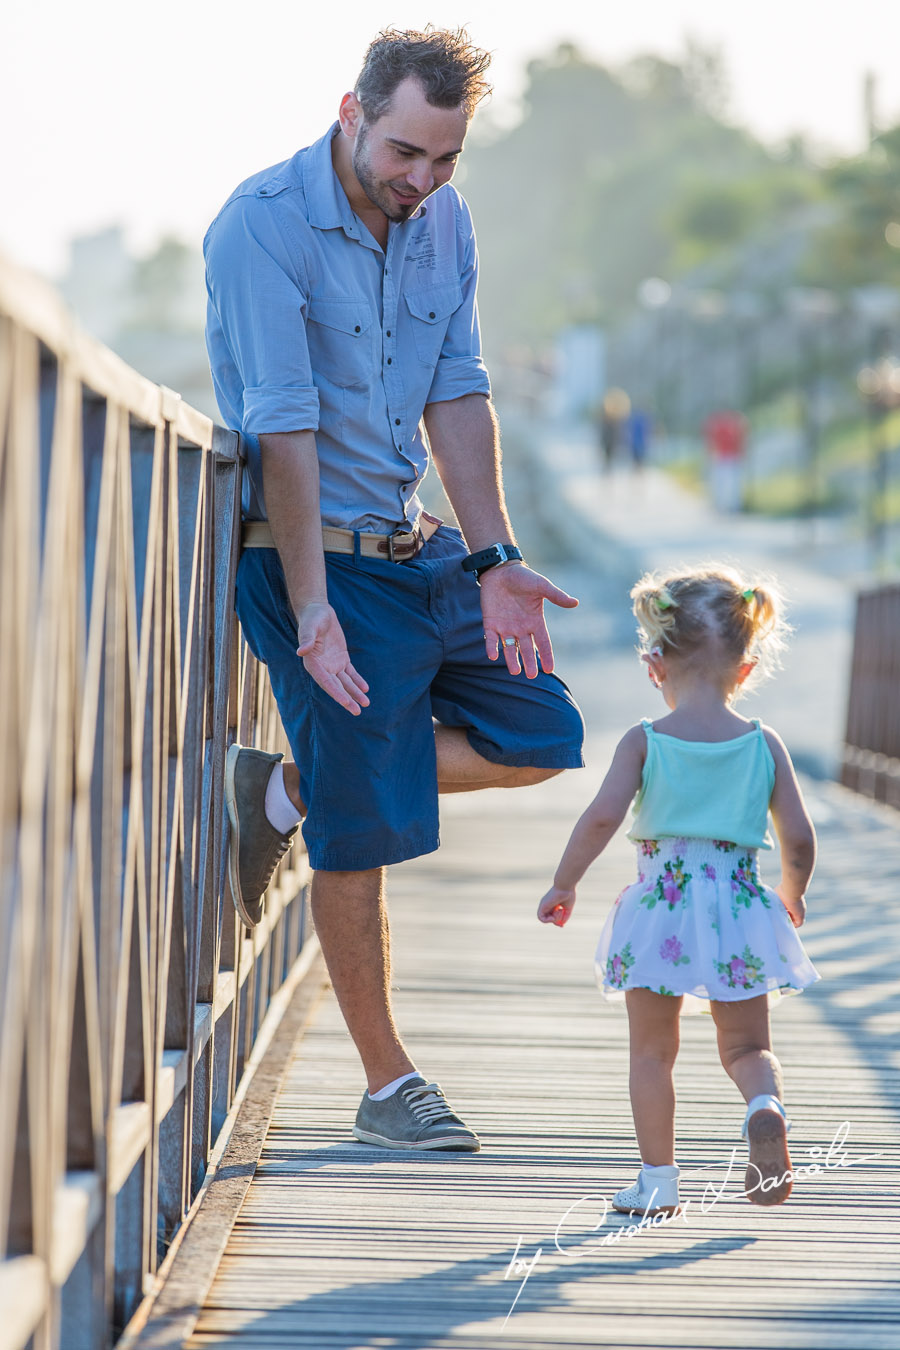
[[165, 288], [712, 214], [611, 177], [862, 247]]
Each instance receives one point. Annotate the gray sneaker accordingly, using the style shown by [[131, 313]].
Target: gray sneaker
[[255, 847], [416, 1116]]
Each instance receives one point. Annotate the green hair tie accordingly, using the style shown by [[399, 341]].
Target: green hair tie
[[663, 603], [749, 594]]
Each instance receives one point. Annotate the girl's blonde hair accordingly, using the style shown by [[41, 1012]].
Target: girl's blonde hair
[[711, 609]]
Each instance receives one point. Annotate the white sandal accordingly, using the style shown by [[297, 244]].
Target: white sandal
[[654, 1192], [768, 1179]]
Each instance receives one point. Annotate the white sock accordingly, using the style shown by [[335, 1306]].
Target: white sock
[[765, 1101], [391, 1088], [281, 812], [663, 1170]]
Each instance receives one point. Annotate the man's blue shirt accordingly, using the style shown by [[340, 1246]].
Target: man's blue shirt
[[312, 326]]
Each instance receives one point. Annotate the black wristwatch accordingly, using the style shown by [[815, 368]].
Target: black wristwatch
[[486, 558]]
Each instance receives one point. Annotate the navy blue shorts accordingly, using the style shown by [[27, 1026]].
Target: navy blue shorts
[[414, 632]]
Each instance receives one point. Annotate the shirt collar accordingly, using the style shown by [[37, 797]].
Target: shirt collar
[[326, 200]]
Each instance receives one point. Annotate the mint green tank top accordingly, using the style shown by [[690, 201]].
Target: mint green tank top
[[705, 789]]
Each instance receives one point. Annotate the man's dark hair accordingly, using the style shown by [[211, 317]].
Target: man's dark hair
[[446, 64]]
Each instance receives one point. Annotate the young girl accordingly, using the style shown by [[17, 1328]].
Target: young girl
[[698, 923]]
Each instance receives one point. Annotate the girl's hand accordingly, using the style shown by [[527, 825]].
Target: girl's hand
[[556, 906], [794, 904]]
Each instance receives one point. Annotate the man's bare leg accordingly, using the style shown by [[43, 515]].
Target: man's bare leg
[[350, 914], [292, 785], [351, 921], [460, 768]]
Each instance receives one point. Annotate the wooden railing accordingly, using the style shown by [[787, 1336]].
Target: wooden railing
[[130, 996], [871, 758]]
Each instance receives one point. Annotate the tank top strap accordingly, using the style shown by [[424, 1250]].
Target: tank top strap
[[647, 724], [756, 722]]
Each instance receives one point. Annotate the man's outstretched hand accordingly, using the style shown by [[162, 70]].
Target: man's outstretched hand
[[324, 651], [512, 603]]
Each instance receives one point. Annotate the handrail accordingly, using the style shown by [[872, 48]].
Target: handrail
[[130, 996], [871, 755]]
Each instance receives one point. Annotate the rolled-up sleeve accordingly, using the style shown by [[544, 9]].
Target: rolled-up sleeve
[[460, 369], [256, 331]]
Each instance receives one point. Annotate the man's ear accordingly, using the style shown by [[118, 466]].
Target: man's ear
[[350, 115]]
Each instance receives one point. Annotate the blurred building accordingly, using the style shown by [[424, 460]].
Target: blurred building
[[150, 310]]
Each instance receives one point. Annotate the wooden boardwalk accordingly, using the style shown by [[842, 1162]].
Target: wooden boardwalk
[[346, 1247]]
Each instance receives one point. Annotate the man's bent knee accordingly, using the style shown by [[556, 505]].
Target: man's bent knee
[[526, 776]]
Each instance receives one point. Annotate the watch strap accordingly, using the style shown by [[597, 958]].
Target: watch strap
[[489, 557]]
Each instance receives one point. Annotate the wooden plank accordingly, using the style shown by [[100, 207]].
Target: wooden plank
[[24, 1290]]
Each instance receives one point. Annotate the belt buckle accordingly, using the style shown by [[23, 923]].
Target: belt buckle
[[390, 544]]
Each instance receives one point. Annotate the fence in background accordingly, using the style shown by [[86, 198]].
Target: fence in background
[[130, 996], [871, 759]]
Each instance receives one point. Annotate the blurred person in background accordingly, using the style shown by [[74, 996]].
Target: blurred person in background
[[725, 434]]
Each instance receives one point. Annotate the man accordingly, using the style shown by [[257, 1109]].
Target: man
[[342, 314]]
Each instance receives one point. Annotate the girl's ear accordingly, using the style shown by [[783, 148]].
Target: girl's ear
[[656, 666], [745, 669]]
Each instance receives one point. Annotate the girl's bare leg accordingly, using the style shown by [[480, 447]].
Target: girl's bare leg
[[745, 1048], [653, 1024]]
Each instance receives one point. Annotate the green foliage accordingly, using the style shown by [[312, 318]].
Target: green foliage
[[612, 176], [716, 213], [857, 249], [160, 283]]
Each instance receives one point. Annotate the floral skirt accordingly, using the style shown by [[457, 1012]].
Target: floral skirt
[[699, 922]]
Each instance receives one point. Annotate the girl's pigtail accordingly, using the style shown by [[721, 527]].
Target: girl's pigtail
[[766, 627], [655, 609]]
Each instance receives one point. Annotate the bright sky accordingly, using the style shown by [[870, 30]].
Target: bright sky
[[148, 115]]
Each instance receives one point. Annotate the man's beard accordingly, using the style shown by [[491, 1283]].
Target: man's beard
[[378, 193]]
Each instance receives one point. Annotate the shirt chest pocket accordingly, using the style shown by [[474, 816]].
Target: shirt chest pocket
[[430, 313], [341, 336]]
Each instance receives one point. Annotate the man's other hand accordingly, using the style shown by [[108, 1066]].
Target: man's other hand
[[512, 603], [324, 652]]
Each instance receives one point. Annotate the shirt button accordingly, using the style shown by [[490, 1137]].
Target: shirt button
[[357, 329], [388, 333], [389, 361], [396, 421], [431, 314]]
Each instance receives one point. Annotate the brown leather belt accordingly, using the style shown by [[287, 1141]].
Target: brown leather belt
[[397, 547]]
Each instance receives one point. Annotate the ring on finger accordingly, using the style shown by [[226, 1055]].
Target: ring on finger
[[509, 642]]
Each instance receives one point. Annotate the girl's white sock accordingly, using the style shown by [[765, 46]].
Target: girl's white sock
[[665, 1171], [764, 1102], [281, 813]]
